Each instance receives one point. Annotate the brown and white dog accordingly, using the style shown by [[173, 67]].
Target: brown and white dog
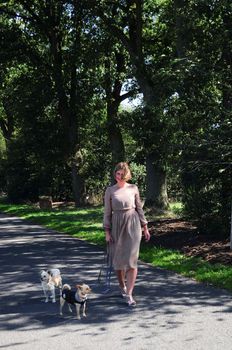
[[50, 280], [77, 297]]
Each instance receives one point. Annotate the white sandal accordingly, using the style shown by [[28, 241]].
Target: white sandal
[[130, 301]]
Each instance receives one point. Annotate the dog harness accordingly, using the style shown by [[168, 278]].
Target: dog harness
[[70, 297]]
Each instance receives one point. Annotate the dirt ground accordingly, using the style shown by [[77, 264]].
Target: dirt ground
[[184, 236]]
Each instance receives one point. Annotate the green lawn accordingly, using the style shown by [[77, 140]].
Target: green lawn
[[86, 223]]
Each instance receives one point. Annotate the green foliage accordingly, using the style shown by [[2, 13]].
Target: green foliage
[[34, 162], [95, 162], [217, 275], [2, 164], [2, 146], [200, 113], [180, 60], [207, 198], [138, 172], [177, 208]]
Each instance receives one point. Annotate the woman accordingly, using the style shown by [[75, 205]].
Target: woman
[[123, 218]]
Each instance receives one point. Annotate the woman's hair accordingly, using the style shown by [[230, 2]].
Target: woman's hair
[[123, 166]]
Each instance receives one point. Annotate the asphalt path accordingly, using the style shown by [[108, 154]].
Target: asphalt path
[[172, 312]]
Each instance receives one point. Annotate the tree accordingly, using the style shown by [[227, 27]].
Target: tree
[[204, 111], [132, 23], [56, 29]]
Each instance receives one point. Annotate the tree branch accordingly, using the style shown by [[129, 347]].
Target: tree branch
[[126, 95]]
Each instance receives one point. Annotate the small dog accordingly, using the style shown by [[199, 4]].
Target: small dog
[[77, 297], [50, 279]]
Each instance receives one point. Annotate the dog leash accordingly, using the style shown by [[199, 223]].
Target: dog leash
[[107, 266]]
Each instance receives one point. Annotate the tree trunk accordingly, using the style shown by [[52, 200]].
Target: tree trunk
[[67, 108], [113, 87], [77, 186], [116, 143], [156, 181], [231, 227], [115, 136], [7, 125], [156, 177], [180, 29]]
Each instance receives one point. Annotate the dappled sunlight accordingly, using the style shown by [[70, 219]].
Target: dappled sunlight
[[166, 302], [81, 223]]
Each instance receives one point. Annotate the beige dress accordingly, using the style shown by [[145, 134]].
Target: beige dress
[[123, 216]]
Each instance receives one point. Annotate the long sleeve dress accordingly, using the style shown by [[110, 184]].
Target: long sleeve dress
[[123, 216]]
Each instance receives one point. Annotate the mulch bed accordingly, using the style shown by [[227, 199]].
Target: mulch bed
[[183, 236]]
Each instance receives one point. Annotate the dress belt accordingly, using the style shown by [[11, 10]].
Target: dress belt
[[124, 209]]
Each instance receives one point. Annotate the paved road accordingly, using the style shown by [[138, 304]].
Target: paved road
[[173, 313]]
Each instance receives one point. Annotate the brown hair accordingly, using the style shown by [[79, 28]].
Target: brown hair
[[125, 167]]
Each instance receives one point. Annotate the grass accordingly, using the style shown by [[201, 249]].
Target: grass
[[175, 210], [214, 274], [86, 223]]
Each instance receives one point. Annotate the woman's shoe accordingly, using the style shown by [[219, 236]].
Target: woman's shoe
[[130, 301]]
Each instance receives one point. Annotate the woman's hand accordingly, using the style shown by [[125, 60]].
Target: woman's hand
[[108, 237], [146, 233]]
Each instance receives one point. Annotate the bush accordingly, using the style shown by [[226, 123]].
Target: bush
[[139, 177], [208, 200]]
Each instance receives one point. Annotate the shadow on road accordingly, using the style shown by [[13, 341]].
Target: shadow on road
[[26, 248]]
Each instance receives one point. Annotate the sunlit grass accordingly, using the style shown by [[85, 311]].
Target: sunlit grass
[[86, 223], [216, 274], [175, 210]]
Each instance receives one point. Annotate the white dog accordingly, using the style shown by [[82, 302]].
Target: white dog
[[76, 297], [50, 279]]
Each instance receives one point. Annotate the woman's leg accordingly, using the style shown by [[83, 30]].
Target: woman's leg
[[121, 278], [131, 275]]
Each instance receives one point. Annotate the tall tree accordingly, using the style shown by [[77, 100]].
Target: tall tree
[[58, 25], [116, 75], [203, 108], [133, 24]]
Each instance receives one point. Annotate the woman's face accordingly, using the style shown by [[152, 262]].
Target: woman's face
[[119, 176]]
